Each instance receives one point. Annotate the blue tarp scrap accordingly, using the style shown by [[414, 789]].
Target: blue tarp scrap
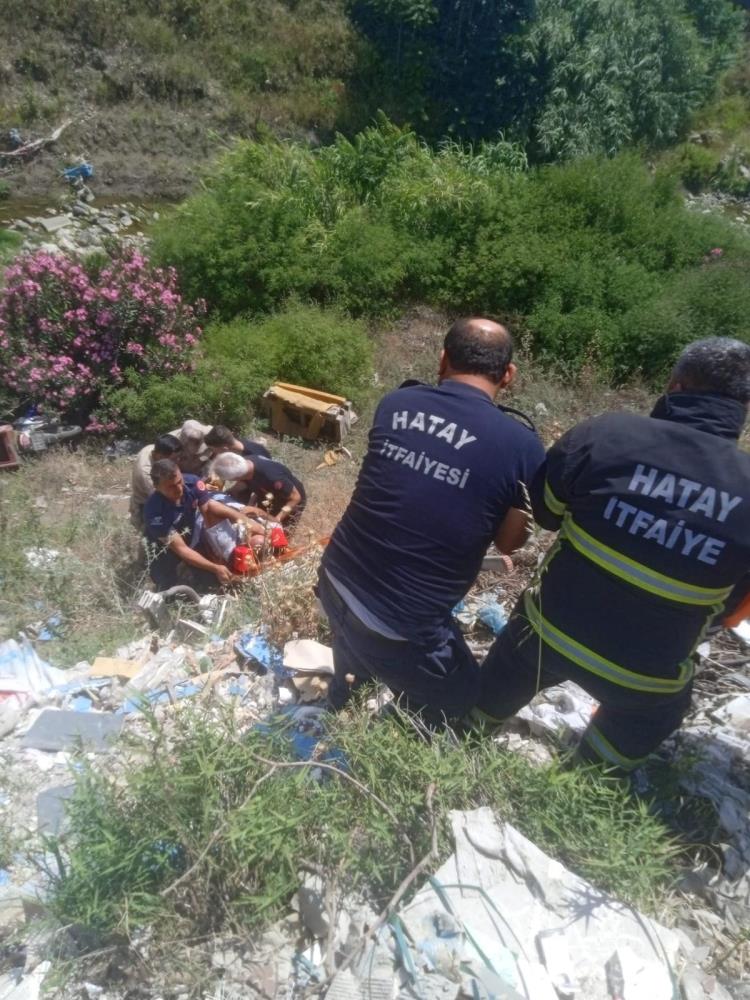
[[493, 615], [185, 689], [52, 628], [254, 647], [80, 170], [304, 726]]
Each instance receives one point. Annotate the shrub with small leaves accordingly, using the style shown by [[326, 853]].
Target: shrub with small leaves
[[68, 330]]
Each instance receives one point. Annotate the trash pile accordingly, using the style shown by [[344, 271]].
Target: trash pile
[[500, 918]]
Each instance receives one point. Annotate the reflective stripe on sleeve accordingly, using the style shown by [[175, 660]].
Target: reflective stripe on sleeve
[[599, 665], [556, 506], [637, 573]]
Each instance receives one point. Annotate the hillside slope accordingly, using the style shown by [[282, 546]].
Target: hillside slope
[[155, 87]]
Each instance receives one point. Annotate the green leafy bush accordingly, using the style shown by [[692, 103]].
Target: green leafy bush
[[696, 166], [306, 345], [374, 224], [216, 391]]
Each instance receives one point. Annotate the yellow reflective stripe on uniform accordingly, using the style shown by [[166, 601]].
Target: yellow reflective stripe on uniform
[[555, 505], [600, 665], [637, 573], [604, 749]]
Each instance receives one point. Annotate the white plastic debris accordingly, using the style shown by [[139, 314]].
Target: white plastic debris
[[23, 672], [26, 987], [511, 901], [307, 656], [736, 714], [742, 631], [41, 558], [565, 708]]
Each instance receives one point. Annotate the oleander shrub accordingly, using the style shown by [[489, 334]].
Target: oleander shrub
[[69, 331]]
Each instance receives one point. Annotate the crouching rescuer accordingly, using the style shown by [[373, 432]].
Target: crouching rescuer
[[172, 529], [653, 515], [443, 477]]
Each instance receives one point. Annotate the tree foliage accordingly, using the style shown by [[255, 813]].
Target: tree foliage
[[568, 77]]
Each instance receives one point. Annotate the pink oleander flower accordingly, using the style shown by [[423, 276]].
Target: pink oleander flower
[[67, 334]]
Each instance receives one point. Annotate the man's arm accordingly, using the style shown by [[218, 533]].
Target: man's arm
[[515, 528], [292, 501], [182, 550], [514, 531], [219, 511]]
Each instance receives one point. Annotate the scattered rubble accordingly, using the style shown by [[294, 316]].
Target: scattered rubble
[[81, 228], [499, 918]]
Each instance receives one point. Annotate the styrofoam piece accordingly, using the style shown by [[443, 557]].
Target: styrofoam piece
[[306, 656]]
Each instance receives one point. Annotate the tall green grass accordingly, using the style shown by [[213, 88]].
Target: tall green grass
[[203, 827]]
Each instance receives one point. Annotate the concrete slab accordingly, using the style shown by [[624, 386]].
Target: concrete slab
[[54, 223], [56, 729]]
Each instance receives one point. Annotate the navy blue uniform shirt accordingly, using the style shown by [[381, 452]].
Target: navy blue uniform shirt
[[251, 448], [162, 518], [273, 477], [443, 467]]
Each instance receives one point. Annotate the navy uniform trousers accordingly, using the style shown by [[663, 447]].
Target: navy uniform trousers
[[624, 730], [439, 679]]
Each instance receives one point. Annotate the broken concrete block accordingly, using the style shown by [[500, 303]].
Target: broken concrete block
[[50, 808], [57, 729], [312, 905], [54, 223]]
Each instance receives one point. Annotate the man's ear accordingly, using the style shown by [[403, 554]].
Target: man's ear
[[507, 379], [443, 365]]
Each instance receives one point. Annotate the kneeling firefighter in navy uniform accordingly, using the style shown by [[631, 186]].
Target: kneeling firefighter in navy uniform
[[654, 539], [445, 474]]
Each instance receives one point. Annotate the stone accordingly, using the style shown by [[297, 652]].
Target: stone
[[59, 729], [312, 905], [20, 225], [82, 210], [54, 223], [692, 984], [125, 221], [108, 227], [50, 808]]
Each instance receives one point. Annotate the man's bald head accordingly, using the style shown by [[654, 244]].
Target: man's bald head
[[476, 346]]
